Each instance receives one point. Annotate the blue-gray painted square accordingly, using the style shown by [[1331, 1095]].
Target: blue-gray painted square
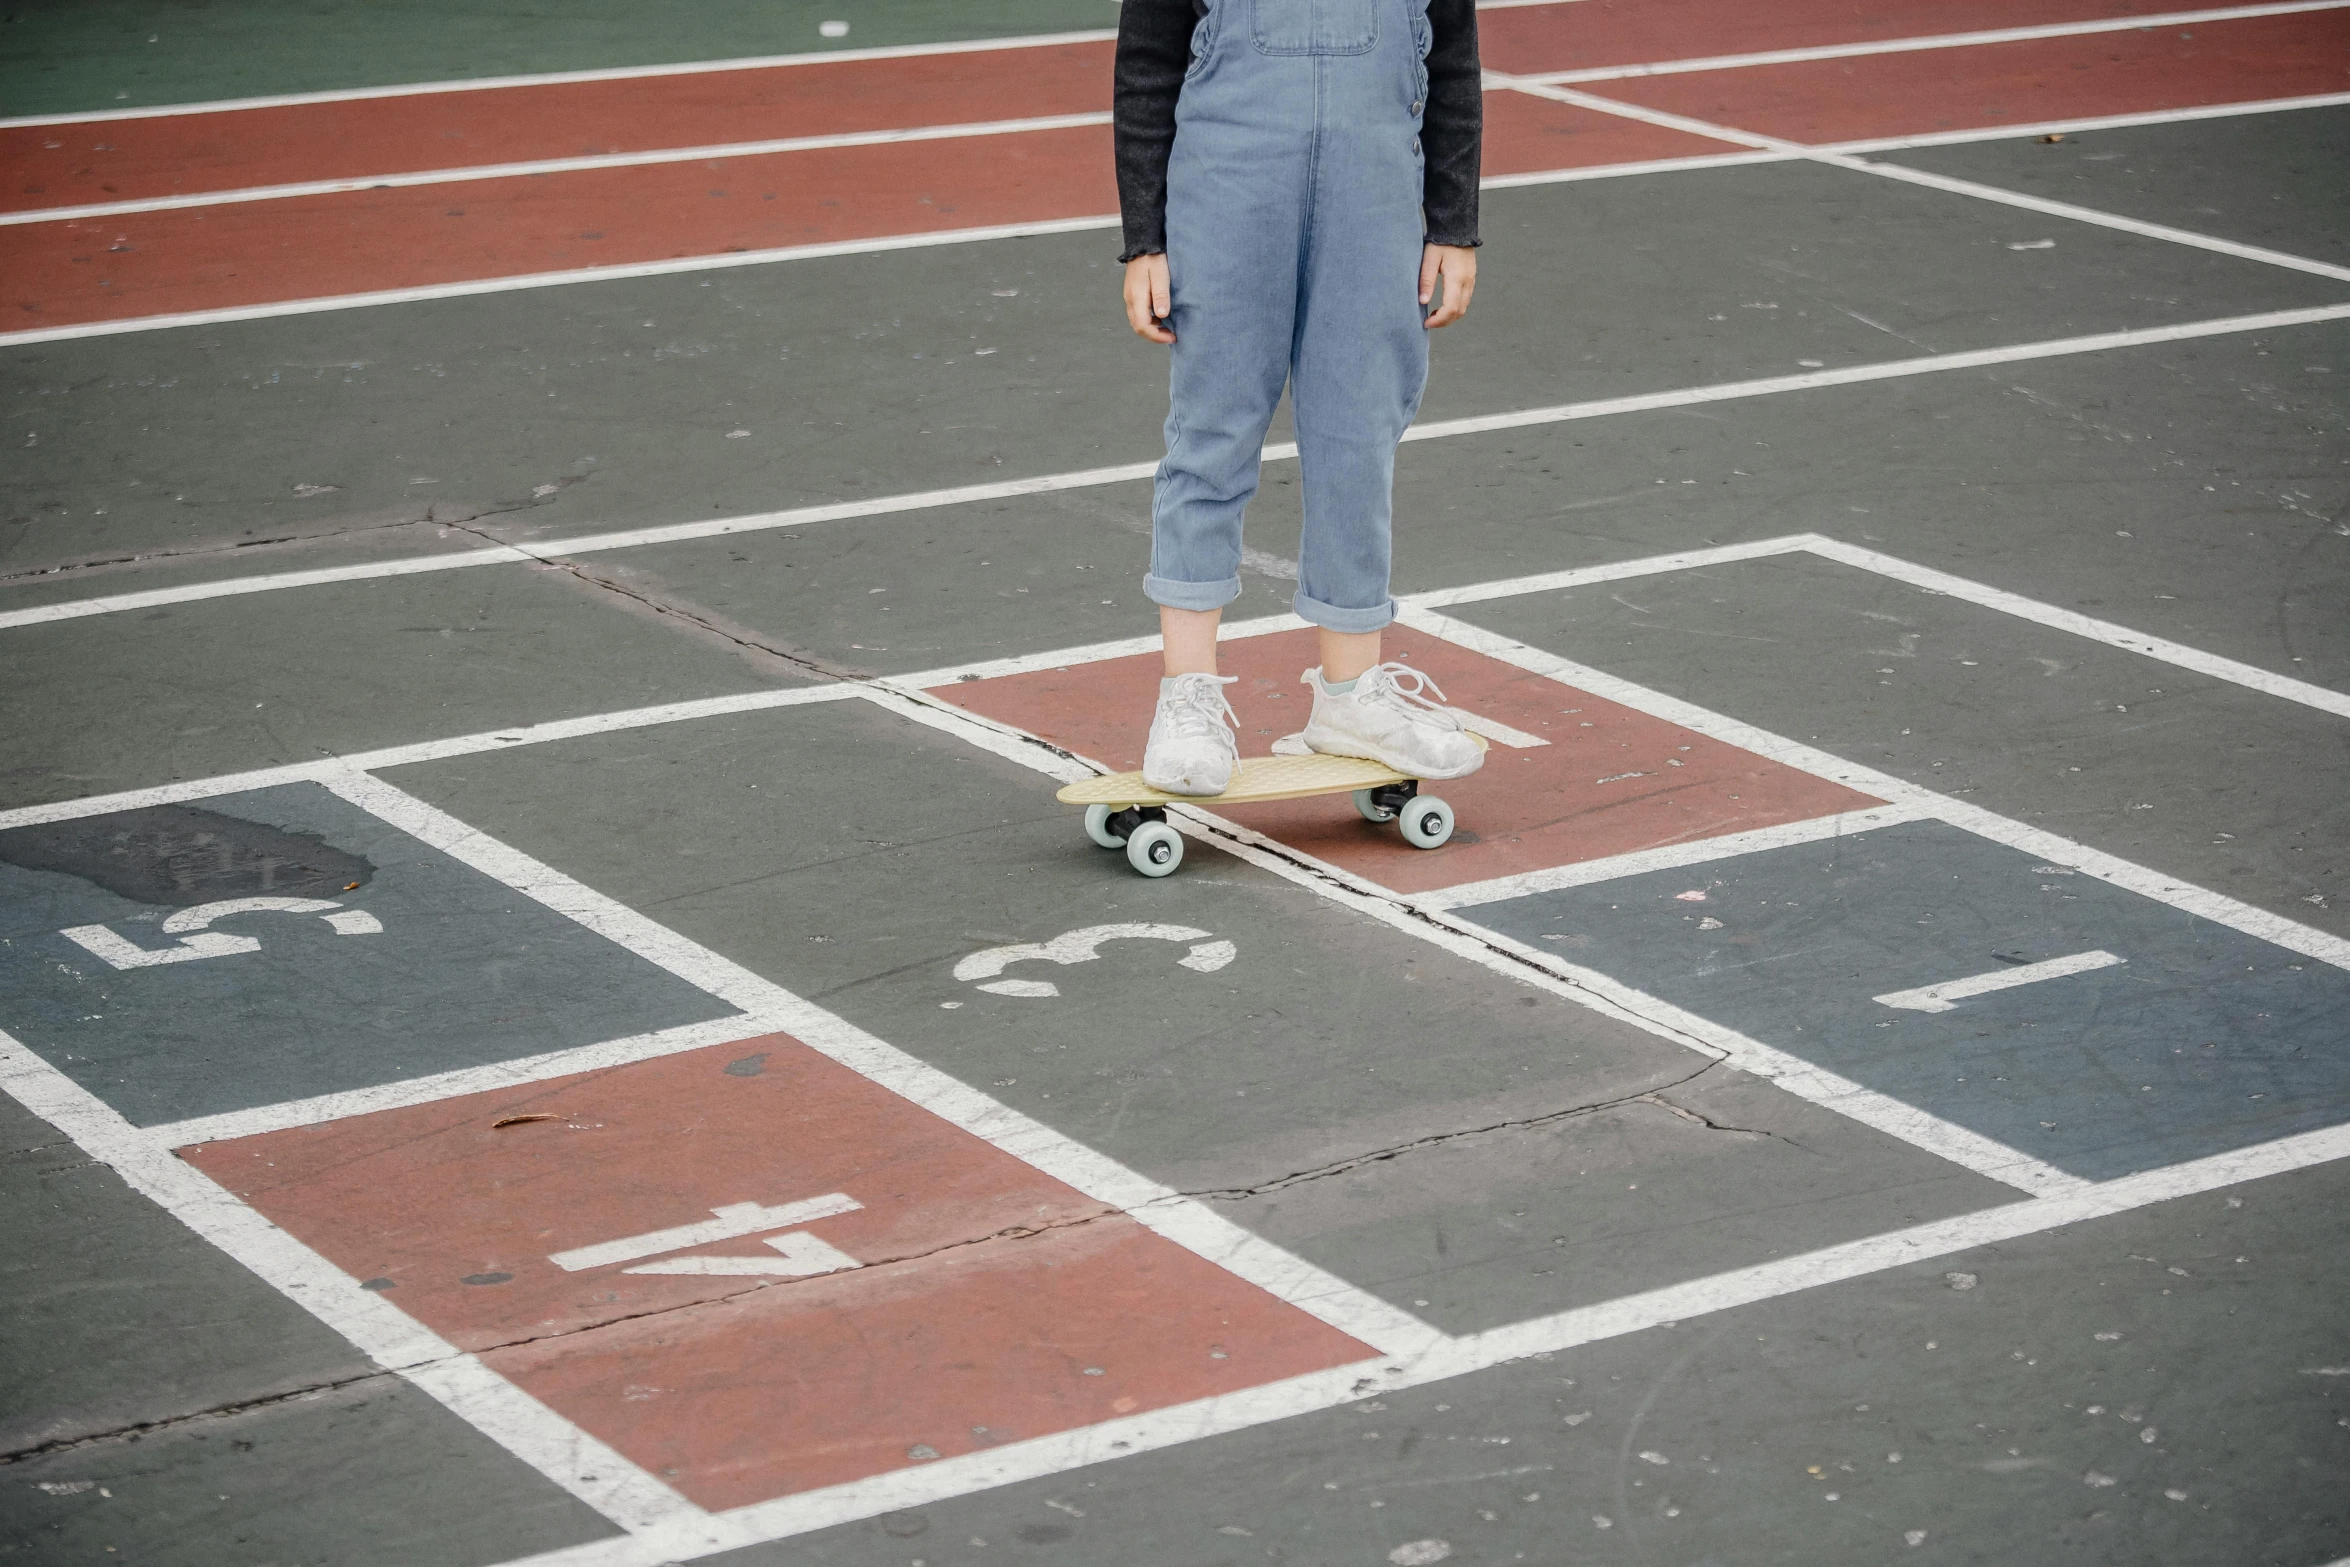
[[2198, 1040], [134, 958]]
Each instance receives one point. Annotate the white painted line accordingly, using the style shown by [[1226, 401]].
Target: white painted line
[[471, 287], [1919, 1243], [2099, 122], [1671, 856], [1942, 583], [1881, 370], [931, 1483], [622, 73], [1188, 1223], [1946, 996], [518, 1073], [731, 1222], [557, 550], [2075, 213], [1974, 40], [1614, 571], [2275, 929], [1496, 731], [1071, 657], [1609, 171], [2069, 211], [425, 751], [565, 1454], [2233, 671], [239, 195]]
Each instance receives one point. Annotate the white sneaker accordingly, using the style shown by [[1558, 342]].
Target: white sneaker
[[1389, 717], [1192, 749]]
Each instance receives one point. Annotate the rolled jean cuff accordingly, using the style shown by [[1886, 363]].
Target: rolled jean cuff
[[1191, 595], [1331, 618]]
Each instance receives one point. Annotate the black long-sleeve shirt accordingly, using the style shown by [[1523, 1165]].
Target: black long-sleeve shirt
[[1154, 50]]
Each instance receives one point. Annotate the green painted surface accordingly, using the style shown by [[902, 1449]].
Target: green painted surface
[[374, 1474], [226, 685], [119, 1317], [82, 56], [2259, 179]]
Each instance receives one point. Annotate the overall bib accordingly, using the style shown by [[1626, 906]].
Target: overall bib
[[1294, 236]]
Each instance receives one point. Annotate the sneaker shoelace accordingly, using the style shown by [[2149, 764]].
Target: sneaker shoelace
[[1196, 707], [1406, 690]]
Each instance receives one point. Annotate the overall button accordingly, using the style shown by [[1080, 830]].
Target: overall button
[[1415, 106]]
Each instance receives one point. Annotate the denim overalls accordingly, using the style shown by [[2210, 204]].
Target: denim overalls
[[1293, 253]]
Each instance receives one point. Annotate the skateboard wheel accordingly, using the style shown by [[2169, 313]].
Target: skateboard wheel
[[1368, 806], [1155, 849], [1098, 828], [1426, 822]]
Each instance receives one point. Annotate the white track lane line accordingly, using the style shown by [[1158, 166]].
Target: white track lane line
[[1912, 45], [1759, 154], [506, 285], [557, 1449], [2096, 122], [618, 73], [1942, 182], [611, 160], [556, 550], [1187, 1222]]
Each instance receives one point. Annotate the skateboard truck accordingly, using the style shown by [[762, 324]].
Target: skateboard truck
[[1123, 812]]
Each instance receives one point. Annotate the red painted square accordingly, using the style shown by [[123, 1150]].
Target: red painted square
[[1527, 135], [2171, 67], [993, 1303], [1612, 780]]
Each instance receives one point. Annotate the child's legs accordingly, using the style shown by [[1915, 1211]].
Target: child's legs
[[1232, 237], [1361, 363]]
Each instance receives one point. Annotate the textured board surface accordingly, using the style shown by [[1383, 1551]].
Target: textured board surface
[[1259, 778]]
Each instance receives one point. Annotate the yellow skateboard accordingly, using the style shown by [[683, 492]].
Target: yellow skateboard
[[1123, 812]]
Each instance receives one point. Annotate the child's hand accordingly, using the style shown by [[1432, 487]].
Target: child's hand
[[1147, 299], [1453, 263]]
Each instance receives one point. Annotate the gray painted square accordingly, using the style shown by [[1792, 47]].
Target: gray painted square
[[2203, 1039], [463, 972]]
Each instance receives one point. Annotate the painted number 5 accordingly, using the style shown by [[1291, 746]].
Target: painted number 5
[[197, 940]]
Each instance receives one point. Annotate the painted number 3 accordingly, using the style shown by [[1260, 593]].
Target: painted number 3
[[1083, 946]]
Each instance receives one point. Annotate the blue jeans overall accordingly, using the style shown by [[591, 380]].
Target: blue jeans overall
[[1293, 255]]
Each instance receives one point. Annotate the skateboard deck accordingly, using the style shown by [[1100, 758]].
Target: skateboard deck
[[1257, 778]]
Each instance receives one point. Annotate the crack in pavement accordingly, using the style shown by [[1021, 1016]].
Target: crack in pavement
[[140, 1428], [1704, 1120], [462, 513], [1438, 1139]]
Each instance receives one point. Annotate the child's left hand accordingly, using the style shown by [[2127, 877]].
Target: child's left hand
[[1457, 266]]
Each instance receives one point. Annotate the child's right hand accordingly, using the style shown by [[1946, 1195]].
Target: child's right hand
[[1147, 299]]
